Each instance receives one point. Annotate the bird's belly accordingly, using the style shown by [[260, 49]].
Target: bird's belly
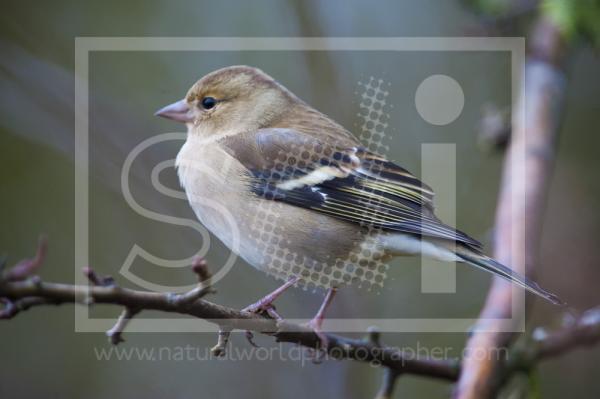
[[275, 237]]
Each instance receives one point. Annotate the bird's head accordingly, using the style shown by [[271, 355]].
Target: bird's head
[[235, 99]]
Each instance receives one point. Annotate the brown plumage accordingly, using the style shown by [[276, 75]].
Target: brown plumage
[[268, 159]]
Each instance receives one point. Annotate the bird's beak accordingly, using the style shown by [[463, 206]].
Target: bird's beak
[[178, 111]]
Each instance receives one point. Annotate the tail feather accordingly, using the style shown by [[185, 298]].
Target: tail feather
[[492, 266]]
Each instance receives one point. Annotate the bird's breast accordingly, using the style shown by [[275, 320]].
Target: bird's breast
[[267, 234], [210, 178]]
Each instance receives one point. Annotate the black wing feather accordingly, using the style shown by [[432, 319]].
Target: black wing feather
[[364, 187]]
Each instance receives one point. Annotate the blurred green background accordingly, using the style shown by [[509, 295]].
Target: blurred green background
[[40, 355]]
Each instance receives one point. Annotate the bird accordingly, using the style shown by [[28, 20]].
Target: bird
[[306, 198]]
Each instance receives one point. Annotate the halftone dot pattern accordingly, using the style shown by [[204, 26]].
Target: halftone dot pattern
[[364, 265], [374, 114]]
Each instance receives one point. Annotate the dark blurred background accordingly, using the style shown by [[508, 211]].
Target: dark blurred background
[[41, 355]]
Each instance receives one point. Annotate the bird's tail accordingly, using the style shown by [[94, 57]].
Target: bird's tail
[[486, 263]]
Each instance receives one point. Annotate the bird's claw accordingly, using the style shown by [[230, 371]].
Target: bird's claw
[[315, 326], [260, 308], [317, 354], [250, 338], [263, 308]]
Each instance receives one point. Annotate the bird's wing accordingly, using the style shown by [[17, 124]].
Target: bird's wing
[[339, 179]]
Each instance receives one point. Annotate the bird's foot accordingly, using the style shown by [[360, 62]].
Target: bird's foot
[[261, 307], [265, 307], [270, 311], [316, 326], [265, 304], [316, 323]]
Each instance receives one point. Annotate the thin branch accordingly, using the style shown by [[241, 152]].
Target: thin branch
[[390, 376], [220, 349], [583, 331], [115, 334], [228, 318], [387, 385], [16, 296]]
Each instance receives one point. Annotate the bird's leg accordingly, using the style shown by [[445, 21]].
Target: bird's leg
[[265, 305], [317, 321]]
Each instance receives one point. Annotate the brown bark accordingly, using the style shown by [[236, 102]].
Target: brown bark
[[521, 204]]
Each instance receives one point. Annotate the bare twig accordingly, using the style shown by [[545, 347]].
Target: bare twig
[[226, 318], [584, 331], [387, 385], [200, 267], [220, 349], [115, 334], [21, 295], [390, 376]]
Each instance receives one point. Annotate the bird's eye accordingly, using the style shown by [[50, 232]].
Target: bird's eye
[[208, 102]]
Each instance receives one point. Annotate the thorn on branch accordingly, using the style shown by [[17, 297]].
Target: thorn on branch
[[27, 267], [96, 280], [115, 334]]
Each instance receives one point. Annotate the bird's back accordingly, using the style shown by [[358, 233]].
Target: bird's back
[[307, 120]]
